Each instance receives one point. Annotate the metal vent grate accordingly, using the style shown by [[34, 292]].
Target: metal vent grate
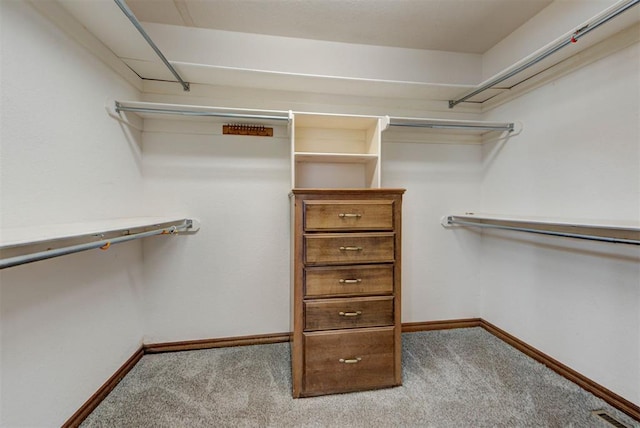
[[609, 419]]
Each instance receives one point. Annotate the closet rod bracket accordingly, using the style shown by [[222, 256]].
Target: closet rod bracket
[[445, 221]]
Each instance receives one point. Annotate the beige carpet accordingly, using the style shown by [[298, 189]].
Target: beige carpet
[[452, 378]]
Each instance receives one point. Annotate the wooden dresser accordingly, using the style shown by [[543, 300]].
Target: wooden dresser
[[346, 290]]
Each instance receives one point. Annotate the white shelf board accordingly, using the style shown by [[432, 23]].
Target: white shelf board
[[149, 110], [579, 222], [336, 121], [207, 74], [626, 232], [448, 126], [335, 157]]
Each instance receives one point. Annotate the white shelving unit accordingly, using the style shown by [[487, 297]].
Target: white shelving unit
[[327, 150], [336, 151]]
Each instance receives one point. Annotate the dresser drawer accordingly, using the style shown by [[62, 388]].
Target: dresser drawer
[[348, 280], [349, 248], [348, 215], [351, 360], [354, 312]]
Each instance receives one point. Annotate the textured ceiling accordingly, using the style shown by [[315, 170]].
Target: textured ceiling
[[470, 26]]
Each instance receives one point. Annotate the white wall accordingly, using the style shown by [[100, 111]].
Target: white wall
[[577, 157], [232, 278], [66, 324], [439, 266]]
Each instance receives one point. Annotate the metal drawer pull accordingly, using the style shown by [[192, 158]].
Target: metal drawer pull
[[349, 281], [350, 314], [350, 248], [343, 215], [350, 360]]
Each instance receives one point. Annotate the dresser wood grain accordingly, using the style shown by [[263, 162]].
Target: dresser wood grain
[[349, 248], [350, 280], [346, 292], [351, 312], [352, 360]]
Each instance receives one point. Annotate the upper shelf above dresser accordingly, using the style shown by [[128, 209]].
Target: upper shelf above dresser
[[151, 110], [336, 151], [327, 150], [309, 147]]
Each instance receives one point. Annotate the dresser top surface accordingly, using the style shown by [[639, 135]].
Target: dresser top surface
[[362, 191]]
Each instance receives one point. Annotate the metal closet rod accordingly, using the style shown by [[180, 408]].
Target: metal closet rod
[[104, 244], [509, 127], [129, 14], [549, 51], [120, 107], [393, 121], [453, 220]]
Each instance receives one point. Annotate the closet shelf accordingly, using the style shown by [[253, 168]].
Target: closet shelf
[[610, 231], [335, 157], [131, 16], [148, 110], [28, 244], [466, 126], [553, 53]]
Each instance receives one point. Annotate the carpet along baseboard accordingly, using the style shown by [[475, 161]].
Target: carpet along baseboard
[[598, 390], [103, 391], [192, 345], [582, 381]]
